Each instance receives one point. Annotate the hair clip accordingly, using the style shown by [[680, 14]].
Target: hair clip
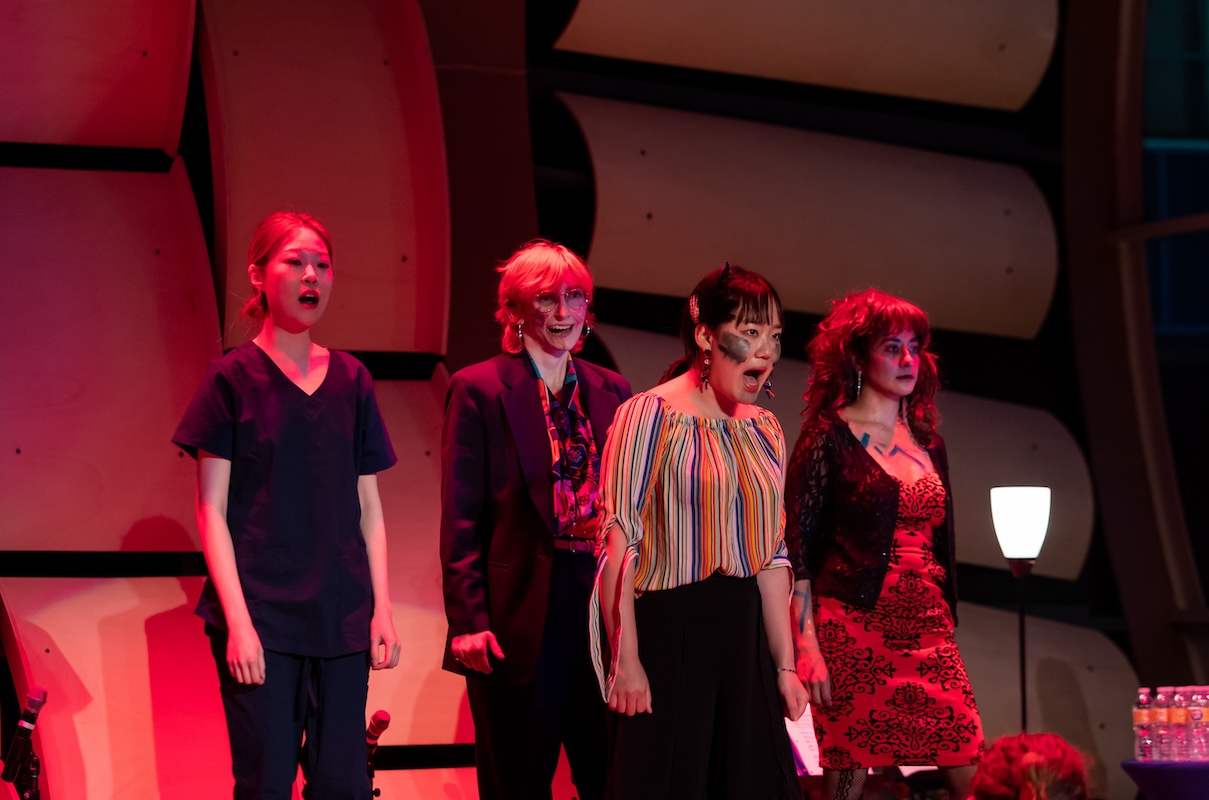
[[694, 309]]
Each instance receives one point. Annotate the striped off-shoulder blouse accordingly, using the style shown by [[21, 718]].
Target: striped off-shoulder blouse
[[694, 496]]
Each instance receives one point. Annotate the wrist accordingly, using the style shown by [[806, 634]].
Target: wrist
[[239, 624], [779, 670], [627, 660]]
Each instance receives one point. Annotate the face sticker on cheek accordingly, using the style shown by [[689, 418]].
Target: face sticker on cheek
[[736, 348]]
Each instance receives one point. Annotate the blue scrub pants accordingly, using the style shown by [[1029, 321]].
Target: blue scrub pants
[[323, 698]]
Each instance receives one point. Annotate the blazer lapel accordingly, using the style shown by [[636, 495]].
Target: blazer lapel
[[600, 403], [523, 408]]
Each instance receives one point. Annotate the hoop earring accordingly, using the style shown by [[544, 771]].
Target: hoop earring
[[586, 332], [520, 333], [705, 370]]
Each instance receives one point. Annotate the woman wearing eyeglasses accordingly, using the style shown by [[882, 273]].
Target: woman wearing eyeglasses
[[520, 465]]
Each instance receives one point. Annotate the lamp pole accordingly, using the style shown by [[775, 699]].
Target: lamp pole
[[1020, 569], [1021, 518]]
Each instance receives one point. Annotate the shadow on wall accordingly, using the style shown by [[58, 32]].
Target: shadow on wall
[[1064, 708], [186, 720]]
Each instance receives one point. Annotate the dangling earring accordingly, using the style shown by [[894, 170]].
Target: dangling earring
[[902, 412], [520, 334], [705, 370], [587, 331], [858, 383], [768, 389]]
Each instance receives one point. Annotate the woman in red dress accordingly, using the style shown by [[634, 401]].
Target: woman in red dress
[[869, 530]]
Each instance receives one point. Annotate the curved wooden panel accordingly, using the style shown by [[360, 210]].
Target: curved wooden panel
[[678, 192], [990, 53], [132, 708], [1072, 671], [332, 109], [110, 74], [427, 705], [110, 324], [990, 444]]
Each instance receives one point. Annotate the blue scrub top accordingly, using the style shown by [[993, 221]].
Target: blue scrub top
[[293, 508]]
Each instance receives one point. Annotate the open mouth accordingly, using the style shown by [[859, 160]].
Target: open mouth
[[559, 330], [310, 299], [751, 379]]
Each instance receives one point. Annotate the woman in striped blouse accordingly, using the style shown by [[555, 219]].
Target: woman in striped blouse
[[693, 583]]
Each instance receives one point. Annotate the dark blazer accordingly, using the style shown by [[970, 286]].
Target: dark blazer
[[840, 512], [497, 503]]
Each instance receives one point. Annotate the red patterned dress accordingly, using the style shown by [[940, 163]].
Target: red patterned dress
[[900, 694]]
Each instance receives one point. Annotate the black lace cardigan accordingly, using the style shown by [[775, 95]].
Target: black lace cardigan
[[840, 510]]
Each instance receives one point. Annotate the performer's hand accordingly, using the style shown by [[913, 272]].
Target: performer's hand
[[812, 672], [384, 647], [472, 650], [793, 694], [631, 692], [245, 656]]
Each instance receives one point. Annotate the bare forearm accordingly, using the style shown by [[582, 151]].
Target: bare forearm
[[220, 560], [774, 602], [802, 611], [373, 529]]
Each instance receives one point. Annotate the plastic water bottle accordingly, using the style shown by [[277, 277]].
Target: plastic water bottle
[[1143, 743], [1159, 722], [1198, 725], [1177, 724]]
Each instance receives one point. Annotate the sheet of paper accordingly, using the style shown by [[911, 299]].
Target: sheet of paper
[[805, 746]]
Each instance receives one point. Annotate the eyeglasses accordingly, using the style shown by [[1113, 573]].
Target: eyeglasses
[[575, 299]]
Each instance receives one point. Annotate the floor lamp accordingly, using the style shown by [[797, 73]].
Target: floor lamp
[[1021, 517]]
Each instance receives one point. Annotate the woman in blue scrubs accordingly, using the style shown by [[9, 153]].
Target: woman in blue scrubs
[[289, 440]]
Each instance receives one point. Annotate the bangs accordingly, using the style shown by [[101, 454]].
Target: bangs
[[757, 302], [543, 269], [900, 315]]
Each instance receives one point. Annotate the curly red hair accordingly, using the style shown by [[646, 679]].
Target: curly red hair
[[1031, 766], [841, 348]]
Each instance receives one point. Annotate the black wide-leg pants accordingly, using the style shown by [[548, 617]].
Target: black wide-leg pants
[[716, 730]]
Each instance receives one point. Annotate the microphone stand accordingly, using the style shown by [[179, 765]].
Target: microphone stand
[[369, 767], [26, 781]]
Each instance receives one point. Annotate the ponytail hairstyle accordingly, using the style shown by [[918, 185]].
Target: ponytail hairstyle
[[1031, 766], [840, 350], [270, 234], [725, 294]]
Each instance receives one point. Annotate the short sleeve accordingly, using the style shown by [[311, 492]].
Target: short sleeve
[[629, 463], [808, 484], [209, 420], [376, 452]]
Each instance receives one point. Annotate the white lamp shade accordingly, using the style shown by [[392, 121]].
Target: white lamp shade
[[1021, 517]]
